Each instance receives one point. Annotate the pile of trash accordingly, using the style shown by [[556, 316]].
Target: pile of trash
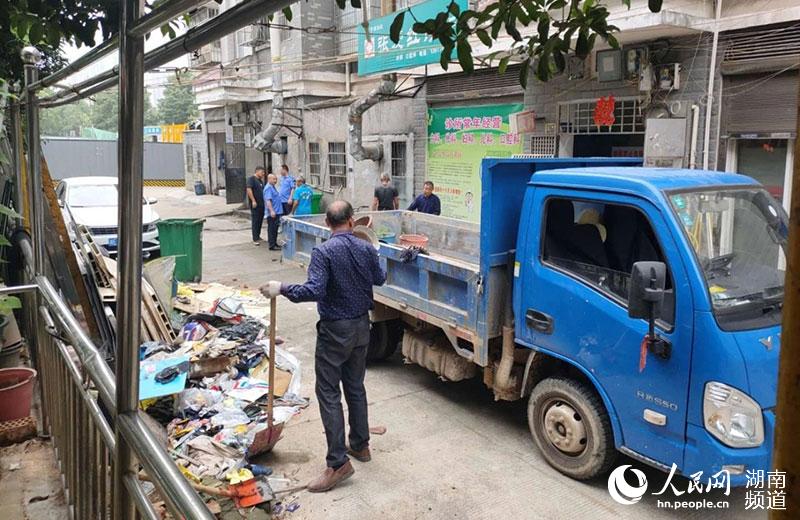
[[208, 390]]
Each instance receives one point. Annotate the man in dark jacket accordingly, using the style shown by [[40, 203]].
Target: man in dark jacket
[[341, 274], [427, 202], [255, 199]]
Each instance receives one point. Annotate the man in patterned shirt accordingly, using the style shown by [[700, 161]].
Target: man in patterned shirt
[[340, 279]]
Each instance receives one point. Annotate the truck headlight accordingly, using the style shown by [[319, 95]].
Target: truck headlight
[[149, 228], [732, 416]]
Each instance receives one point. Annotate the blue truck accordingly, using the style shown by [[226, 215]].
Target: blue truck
[[637, 309]]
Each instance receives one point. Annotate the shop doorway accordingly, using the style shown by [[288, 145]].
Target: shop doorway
[[608, 145], [769, 161]]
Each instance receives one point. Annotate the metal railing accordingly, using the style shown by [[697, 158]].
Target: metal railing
[[101, 441]]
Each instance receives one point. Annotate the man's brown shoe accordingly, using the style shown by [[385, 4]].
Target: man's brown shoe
[[360, 455], [331, 477]]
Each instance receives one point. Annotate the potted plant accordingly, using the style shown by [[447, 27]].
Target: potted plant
[[7, 303]]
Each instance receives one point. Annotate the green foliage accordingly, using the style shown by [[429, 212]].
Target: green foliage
[[105, 110], [66, 120], [178, 104], [561, 27], [9, 303], [47, 24]]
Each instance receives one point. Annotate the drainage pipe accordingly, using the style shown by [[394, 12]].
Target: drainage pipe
[[359, 150], [266, 140]]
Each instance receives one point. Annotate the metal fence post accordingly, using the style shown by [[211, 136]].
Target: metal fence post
[[16, 145], [130, 156], [30, 57]]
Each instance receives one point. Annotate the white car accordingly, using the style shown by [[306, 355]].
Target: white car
[[92, 202]]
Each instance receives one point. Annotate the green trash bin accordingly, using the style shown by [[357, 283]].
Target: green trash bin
[[315, 198], [183, 238]]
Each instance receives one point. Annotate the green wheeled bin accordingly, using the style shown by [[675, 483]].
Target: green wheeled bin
[[183, 238], [315, 198]]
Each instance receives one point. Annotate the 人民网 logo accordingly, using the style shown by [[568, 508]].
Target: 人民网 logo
[[622, 492]]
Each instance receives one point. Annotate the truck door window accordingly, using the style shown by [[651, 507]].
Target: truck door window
[[599, 243]]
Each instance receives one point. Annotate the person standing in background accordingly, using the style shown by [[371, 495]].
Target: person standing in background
[[286, 189], [274, 210], [255, 199], [301, 198], [427, 202], [386, 197]]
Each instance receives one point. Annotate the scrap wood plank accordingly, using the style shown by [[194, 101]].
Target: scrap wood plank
[[157, 313], [66, 246]]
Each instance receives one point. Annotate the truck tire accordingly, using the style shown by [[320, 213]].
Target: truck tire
[[570, 426], [384, 336]]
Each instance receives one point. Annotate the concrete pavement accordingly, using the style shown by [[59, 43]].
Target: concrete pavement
[[450, 450]]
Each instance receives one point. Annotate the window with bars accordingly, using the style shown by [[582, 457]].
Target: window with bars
[[243, 38], [577, 117], [399, 171], [347, 22], [337, 165], [314, 165], [544, 145]]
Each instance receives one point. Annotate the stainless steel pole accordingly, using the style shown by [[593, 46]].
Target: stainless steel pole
[[16, 143], [227, 22], [90, 57], [30, 57], [130, 158]]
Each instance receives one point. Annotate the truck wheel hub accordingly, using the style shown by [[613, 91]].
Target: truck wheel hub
[[564, 428]]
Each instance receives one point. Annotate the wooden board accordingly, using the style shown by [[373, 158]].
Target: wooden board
[[66, 246]]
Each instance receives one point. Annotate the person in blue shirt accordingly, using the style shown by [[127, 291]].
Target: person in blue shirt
[[273, 208], [286, 189], [301, 198], [427, 202], [341, 274]]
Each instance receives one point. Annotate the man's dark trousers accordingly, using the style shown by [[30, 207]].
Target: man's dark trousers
[[256, 220], [341, 356], [272, 230]]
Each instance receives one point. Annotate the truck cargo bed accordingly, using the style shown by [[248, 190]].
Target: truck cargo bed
[[440, 287]]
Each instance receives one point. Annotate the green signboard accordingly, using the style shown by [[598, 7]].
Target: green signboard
[[458, 138], [379, 53]]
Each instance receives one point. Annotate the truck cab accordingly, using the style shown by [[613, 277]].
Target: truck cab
[[701, 395]]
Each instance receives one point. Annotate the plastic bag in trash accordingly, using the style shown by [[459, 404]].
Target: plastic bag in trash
[[228, 308], [196, 399], [195, 330], [230, 417]]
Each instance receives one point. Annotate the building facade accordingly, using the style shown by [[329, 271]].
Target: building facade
[[673, 94]]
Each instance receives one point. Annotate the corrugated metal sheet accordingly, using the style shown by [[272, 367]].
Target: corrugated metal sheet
[[89, 157], [760, 103], [765, 44], [487, 80]]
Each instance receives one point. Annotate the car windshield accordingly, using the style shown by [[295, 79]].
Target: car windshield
[[739, 237], [93, 196]]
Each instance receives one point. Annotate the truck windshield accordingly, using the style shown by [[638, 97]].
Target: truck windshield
[[739, 238]]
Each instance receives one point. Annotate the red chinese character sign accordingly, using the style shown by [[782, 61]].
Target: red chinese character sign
[[604, 111]]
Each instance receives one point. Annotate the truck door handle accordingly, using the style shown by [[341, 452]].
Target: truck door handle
[[539, 321]]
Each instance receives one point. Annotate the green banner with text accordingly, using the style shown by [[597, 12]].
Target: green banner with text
[[458, 139]]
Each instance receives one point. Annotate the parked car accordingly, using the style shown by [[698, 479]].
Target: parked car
[[92, 202]]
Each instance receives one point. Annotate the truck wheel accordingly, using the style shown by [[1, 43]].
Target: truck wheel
[[571, 428], [384, 337]]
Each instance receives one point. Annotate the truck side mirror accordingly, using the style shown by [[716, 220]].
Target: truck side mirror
[[645, 296], [646, 291]]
